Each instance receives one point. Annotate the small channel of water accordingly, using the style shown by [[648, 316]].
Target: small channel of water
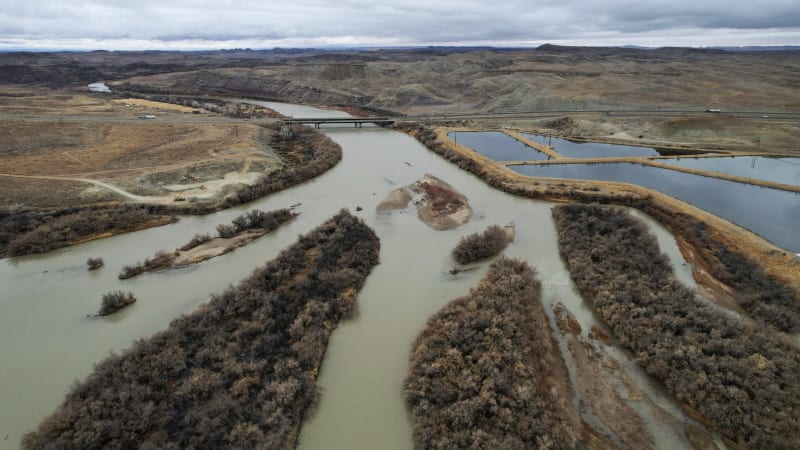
[[574, 149], [771, 213], [46, 341], [99, 86], [778, 170], [497, 145]]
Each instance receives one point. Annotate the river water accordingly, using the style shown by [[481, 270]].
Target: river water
[[46, 340]]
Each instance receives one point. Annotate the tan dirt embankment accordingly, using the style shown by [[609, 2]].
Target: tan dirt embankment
[[779, 263]]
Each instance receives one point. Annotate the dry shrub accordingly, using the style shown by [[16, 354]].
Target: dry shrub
[[239, 372], [478, 246], [478, 375], [744, 379], [114, 301]]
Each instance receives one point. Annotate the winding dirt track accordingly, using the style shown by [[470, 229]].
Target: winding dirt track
[[110, 187]]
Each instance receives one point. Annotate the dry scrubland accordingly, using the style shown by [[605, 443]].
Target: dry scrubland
[[109, 144], [743, 379], [240, 372], [481, 374], [490, 80], [304, 153], [549, 78]]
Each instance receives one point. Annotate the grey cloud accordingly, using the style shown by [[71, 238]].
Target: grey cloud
[[402, 22]]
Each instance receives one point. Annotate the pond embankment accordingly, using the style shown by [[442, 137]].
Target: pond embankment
[[710, 243]]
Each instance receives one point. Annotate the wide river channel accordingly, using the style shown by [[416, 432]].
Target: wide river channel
[[47, 341]]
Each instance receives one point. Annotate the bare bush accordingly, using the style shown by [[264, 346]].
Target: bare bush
[[742, 379], [131, 271], [481, 245], [114, 301], [197, 239], [239, 372], [94, 263], [226, 231], [480, 371]]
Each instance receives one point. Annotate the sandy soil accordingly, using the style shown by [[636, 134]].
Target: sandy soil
[[138, 102], [129, 161], [438, 204], [213, 248]]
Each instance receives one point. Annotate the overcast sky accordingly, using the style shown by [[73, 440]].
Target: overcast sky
[[201, 24]]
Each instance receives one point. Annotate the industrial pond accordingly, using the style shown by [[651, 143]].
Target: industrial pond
[[773, 214], [497, 146], [777, 170], [575, 149]]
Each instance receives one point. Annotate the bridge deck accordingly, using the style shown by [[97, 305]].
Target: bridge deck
[[357, 121]]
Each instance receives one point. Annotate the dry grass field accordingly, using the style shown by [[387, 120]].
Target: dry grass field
[[60, 155]]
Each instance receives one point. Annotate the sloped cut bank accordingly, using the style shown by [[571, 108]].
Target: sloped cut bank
[[743, 380], [237, 373], [481, 373]]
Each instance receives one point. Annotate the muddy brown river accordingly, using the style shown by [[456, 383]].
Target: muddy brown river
[[47, 342]]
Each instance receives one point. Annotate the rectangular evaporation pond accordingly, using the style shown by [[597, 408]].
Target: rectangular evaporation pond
[[590, 149], [771, 213], [497, 146], [777, 170]]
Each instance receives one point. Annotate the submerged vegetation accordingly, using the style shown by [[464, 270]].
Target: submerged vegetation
[[114, 301], [481, 372], [478, 246], [742, 379], [770, 301], [239, 372], [94, 263]]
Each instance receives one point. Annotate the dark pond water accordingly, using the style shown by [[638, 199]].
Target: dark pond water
[[497, 145], [590, 149], [773, 214], [778, 170]]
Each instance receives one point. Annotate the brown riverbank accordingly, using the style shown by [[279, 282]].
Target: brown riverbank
[[701, 236]]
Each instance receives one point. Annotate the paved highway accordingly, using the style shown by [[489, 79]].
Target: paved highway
[[195, 119]]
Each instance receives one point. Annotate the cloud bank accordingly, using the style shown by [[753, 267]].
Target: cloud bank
[[184, 24]]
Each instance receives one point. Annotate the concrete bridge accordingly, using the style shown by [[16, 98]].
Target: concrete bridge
[[357, 121]]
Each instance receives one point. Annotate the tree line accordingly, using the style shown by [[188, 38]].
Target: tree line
[[742, 379], [767, 300], [480, 370], [239, 372], [27, 232]]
